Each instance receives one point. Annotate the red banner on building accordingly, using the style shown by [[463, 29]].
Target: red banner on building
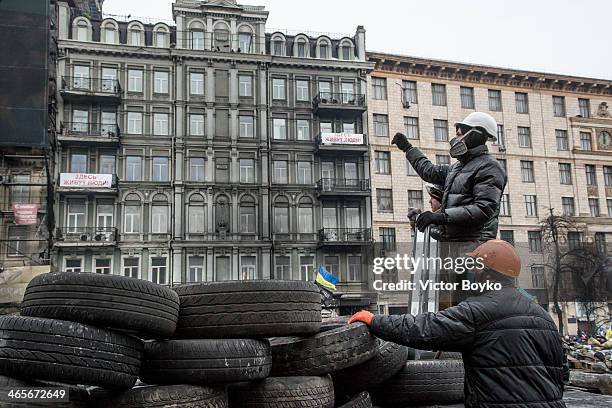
[[25, 214]]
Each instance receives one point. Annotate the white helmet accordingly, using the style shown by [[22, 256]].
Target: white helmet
[[481, 120]]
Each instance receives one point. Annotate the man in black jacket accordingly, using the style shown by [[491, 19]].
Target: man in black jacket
[[512, 351], [473, 185]]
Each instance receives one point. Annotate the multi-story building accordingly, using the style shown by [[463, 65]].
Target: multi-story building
[[554, 140], [212, 149]]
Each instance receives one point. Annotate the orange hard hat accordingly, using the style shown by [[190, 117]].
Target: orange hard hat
[[500, 256]]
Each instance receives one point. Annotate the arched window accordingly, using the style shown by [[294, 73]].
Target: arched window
[[196, 215], [136, 35], [245, 39], [305, 216], [196, 35], [247, 215], [222, 37], [278, 45], [110, 33], [132, 220], [81, 30], [281, 215], [346, 51], [161, 37], [159, 214], [301, 47], [222, 214], [324, 49]]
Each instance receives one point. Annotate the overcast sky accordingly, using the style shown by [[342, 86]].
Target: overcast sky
[[558, 36]]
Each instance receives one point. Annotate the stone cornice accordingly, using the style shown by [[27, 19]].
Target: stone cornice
[[482, 74]]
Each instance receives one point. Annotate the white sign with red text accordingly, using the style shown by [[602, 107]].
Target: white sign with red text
[[342, 138], [84, 180]]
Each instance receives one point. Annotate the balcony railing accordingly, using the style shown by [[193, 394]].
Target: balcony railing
[[83, 129], [110, 87], [339, 100], [345, 235], [338, 185], [87, 235]]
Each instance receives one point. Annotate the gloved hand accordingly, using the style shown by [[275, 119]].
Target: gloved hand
[[428, 218], [401, 141], [362, 316]]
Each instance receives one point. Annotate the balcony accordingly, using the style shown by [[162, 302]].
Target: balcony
[[86, 236], [344, 236], [83, 89], [89, 133], [339, 104], [341, 142], [87, 183], [343, 187]]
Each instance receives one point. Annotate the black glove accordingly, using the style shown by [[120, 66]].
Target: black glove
[[428, 218], [401, 141]]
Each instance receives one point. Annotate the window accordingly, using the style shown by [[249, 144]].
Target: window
[[247, 215], [443, 159], [160, 80], [607, 173], [159, 270], [507, 235], [531, 206], [504, 208], [325, 89], [410, 171], [591, 175], [160, 169], [110, 34], [527, 171], [501, 136], [307, 268], [379, 88], [387, 239], [74, 265], [535, 241], [609, 203], [326, 127], [524, 136], [16, 244], [282, 268], [245, 86], [132, 218], [197, 40], [495, 101], [196, 169], [562, 140], [411, 127], [80, 121], [196, 83], [574, 240], [81, 76], [102, 266], [82, 31], [585, 107], [159, 218], [467, 97], [131, 267], [568, 206], [278, 88], [558, 106], [248, 268], [305, 216], [196, 269], [537, 277], [301, 90], [134, 123], [600, 243], [304, 172], [109, 124], [585, 141], [133, 168], [281, 216], [279, 128], [565, 173], [247, 126], [438, 94], [160, 124], [280, 172], [415, 199], [383, 162], [384, 200], [354, 268], [346, 52], [381, 125], [594, 207], [135, 80], [440, 130], [522, 102], [332, 264], [245, 41], [222, 268], [196, 215], [330, 217], [409, 89], [161, 38], [196, 124], [78, 163], [303, 129], [107, 164]]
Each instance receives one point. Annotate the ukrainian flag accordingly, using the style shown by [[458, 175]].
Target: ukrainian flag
[[326, 279]]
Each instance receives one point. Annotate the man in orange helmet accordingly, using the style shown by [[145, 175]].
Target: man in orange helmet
[[512, 351]]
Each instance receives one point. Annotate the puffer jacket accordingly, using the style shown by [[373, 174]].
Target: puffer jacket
[[473, 189], [512, 352]]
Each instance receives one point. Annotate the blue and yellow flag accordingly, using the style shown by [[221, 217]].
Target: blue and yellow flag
[[326, 279]]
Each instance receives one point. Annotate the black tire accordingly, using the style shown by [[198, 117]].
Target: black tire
[[335, 348], [388, 361], [185, 396], [117, 302], [284, 392], [205, 361], [248, 309], [422, 382], [361, 400], [67, 352]]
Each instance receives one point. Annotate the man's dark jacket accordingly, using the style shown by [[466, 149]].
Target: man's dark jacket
[[512, 351], [473, 188]]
